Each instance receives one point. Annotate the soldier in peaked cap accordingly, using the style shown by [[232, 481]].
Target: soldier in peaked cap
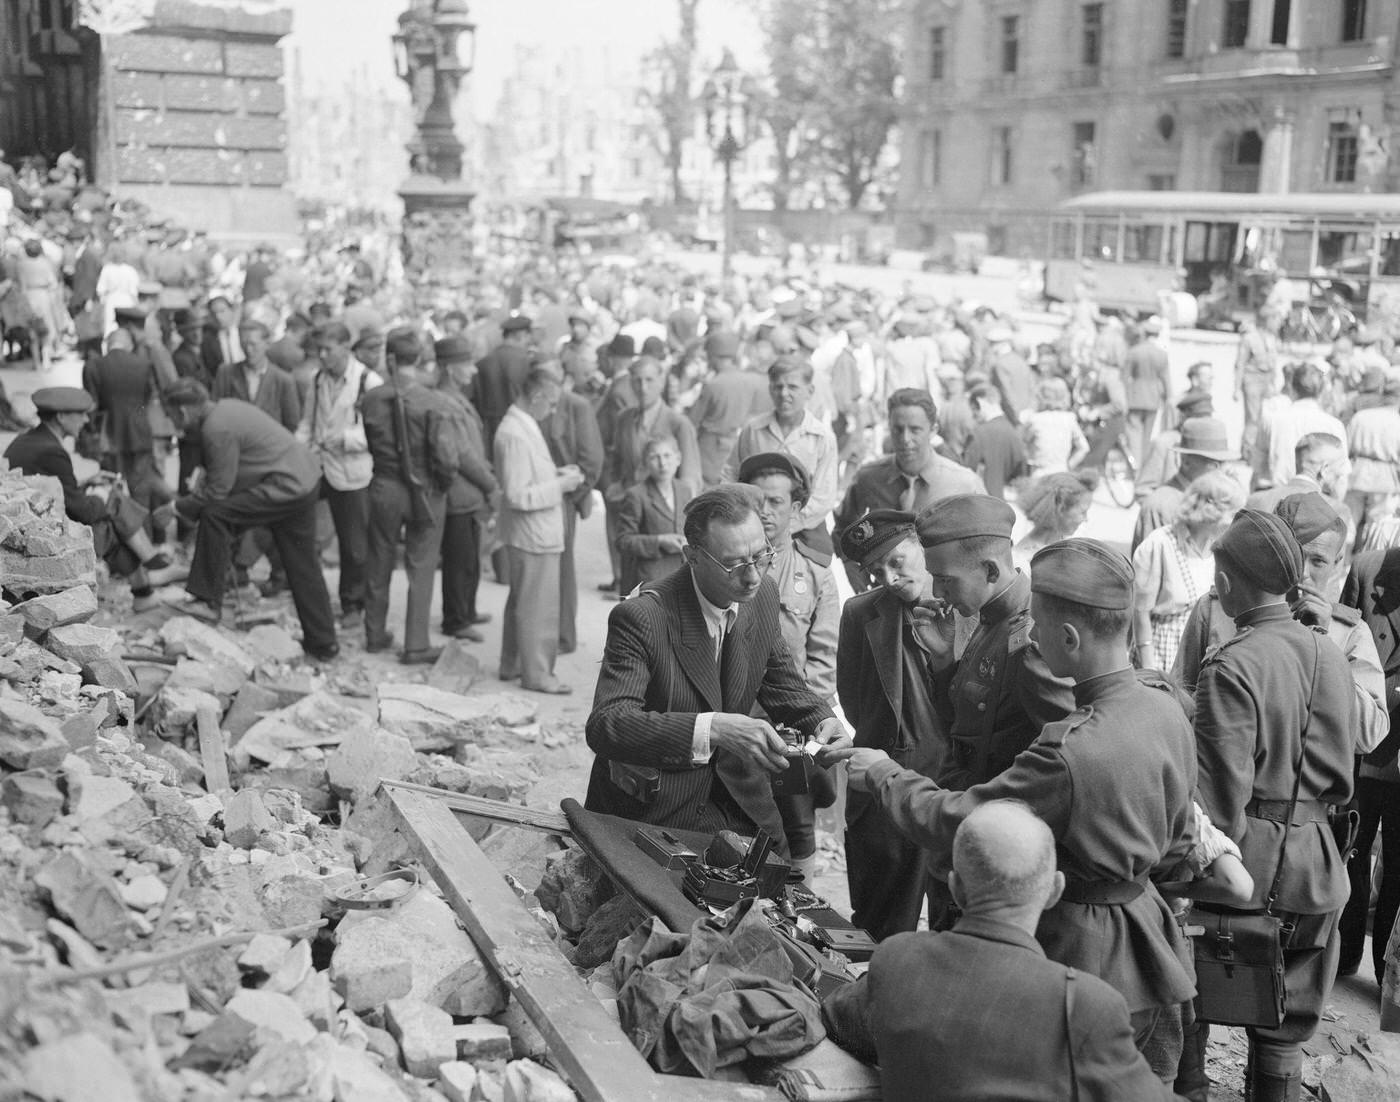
[[1257, 696], [883, 681], [1113, 779], [727, 402], [998, 696]]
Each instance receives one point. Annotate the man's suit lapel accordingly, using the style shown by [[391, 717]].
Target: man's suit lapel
[[1385, 595], [696, 652], [886, 645]]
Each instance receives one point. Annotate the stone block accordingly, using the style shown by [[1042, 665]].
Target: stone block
[[32, 798], [196, 93], [527, 1081], [490, 1083], [206, 16], [435, 720], [270, 643], [77, 1068], [291, 686], [11, 631], [28, 738], [292, 900], [23, 573], [224, 1043], [456, 670], [144, 893], [479, 1041], [246, 818], [264, 954], [141, 165], [84, 643], [525, 1039], [176, 706], [250, 705], [140, 90], [90, 900], [111, 672], [457, 1080], [357, 1078], [275, 1013], [187, 637], [263, 97], [74, 605], [320, 719], [265, 169], [214, 676], [159, 53], [366, 757], [92, 797], [573, 888], [307, 779], [424, 1034], [372, 963], [251, 59]]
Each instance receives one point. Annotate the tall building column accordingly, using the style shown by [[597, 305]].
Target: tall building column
[[1276, 166]]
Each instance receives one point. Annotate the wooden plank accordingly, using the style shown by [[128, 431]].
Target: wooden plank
[[212, 753], [496, 811], [584, 1040]]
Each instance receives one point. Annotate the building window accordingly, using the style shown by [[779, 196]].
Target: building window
[[1236, 29], [1341, 152], [1353, 20], [1085, 156], [1176, 27], [930, 158], [1091, 46], [936, 53], [1010, 43], [1278, 36], [1001, 155]]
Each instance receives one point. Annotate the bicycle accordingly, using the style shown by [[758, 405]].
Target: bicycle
[[1118, 468]]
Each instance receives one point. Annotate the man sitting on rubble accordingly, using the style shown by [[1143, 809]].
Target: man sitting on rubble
[[118, 523], [978, 1010]]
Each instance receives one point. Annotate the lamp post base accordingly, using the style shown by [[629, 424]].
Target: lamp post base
[[437, 231]]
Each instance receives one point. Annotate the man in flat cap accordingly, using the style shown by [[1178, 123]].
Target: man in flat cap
[[118, 523], [912, 478], [684, 663], [808, 614], [1113, 780], [730, 398], [256, 474], [887, 695], [995, 699], [1258, 695], [1203, 448], [501, 373]]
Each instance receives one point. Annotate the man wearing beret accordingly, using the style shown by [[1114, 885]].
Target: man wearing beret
[[727, 402], [118, 524], [685, 661], [1113, 780], [995, 699], [808, 614], [1258, 694], [883, 680], [501, 373], [912, 478]]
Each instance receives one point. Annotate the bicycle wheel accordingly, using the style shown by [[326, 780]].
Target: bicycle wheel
[[1119, 476]]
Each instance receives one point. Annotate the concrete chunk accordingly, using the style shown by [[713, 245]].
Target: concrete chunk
[[271, 1011], [31, 798], [372, 964], [91, 901], [367, 756], [246, 818], [573, 887], [28, 738], [78, 1069], [456, 669], [84, 643], [457, 1080], [74, 605], [184, 636], [479, 1041], [269, 643], [424, 1034], [527, 1081], [251, 704]]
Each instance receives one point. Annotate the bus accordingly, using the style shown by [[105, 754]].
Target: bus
[[1214, 257]]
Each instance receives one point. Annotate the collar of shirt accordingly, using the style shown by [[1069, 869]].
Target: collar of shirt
[[715, 617], [928, 472], [808, 425], [1015, 596]]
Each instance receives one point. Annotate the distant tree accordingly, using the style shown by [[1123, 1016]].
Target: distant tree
[[673, 62], [835, 68], [784, 104]]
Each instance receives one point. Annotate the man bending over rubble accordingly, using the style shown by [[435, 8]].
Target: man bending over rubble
[[118, 523]]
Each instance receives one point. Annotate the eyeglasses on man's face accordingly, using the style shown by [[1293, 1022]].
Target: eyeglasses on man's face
[[760, 562]]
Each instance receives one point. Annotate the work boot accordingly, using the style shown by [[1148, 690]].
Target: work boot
[[1264, 1087], [807, 866]]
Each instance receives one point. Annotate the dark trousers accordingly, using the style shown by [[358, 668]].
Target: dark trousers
[[145, 484], [1256, 387], [391, 513], [1102, 441], [350, 514], [568, 585], [1379, 804], [461, 570], [886, 876], [293, 527], [610, 530]]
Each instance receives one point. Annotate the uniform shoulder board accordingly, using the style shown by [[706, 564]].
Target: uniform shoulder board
[[1020, 636], [1055, 734], [1345, 614], [1213, 653], [811, 554]]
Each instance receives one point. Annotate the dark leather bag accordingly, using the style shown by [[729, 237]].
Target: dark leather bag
[[1239, 954]]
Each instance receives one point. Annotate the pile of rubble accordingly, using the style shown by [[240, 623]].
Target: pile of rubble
[[191, 848]]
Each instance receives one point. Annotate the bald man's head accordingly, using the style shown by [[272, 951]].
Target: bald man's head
[[1004, 857]]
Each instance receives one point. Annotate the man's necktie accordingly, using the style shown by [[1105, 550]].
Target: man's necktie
[[910, 494], [730, 665]]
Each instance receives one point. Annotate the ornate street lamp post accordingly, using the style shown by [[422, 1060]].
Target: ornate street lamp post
[[727, 96], [434, 50]]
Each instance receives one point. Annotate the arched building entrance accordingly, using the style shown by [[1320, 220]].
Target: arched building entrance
[[1241, 155]]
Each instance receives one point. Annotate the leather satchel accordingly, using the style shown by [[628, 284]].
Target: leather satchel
[[1239, 954]]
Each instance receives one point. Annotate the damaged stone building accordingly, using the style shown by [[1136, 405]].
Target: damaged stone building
[[1012, 106]]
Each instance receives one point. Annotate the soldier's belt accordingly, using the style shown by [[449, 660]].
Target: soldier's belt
[[1106, 893], [1276, 811]]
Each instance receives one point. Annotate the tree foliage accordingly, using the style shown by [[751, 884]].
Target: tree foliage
[[831, 103], [674, 63]]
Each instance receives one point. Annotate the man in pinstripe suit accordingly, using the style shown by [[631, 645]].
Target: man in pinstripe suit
[[684, 662]]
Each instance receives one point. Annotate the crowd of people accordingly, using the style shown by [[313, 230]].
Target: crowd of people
[[759, 446]]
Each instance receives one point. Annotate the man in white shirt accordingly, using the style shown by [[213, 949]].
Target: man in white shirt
[[531, 528], [332, 427]]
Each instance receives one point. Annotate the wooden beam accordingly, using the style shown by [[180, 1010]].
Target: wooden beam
[[212, 752], [584, 1040], [496, 811]]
